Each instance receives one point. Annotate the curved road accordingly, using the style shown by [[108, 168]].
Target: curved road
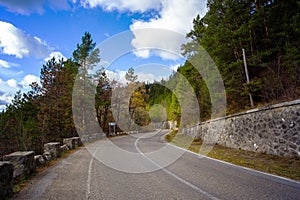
[[134, 167]]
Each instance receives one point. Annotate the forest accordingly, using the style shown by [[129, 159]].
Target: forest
[[267, 30]]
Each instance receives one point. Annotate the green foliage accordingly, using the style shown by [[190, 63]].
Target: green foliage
[[157, 113], [268, 31], [86, 55], [130, 76], [45, 113]]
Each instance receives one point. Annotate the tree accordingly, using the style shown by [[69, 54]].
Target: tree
[[86, 56], [57, 79], [130, 76], [103, 100], [267, 31], [86, 53]]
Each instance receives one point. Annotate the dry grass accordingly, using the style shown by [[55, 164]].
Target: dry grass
[[282, 166]]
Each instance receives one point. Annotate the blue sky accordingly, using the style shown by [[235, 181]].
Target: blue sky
[[32, 31]]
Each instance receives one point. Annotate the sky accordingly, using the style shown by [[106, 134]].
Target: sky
[[143, 34]]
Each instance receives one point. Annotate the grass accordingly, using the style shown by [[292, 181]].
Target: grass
[[281, 166]]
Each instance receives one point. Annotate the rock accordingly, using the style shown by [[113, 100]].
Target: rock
[[53, 148], [39, 160], [64, 148], [69, 142], [77, 140], [6, 178], [47, 156], [24, 163], [85, 138]]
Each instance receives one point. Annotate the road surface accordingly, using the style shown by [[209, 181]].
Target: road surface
[[99, 171]]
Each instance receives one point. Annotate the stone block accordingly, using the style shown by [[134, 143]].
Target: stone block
[[70, 142], [64, 148], [85, 138], [39, 160], [6, 178], [24, 163], [77, 140], [53, 148], [47, 156]]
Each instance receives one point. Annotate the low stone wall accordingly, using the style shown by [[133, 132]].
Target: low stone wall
[[19, 165], [53, 148], [69, 142], [273, 130], [23, 162], [89, 138]]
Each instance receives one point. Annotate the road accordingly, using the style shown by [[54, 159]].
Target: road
[[131, 171]]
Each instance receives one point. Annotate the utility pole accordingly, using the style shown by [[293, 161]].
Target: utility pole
[[247, 77]]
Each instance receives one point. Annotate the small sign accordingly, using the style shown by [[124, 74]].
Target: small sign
[[112, 123]]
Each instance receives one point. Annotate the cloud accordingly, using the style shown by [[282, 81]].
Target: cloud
[[123, 5], [2, 103], [143, 76], [6, 93], [12, 83], [14, 41], [28, 79], [175, 67], [116, 75], [26, 7], [175, 15], [57, 55], [148, 77], [4, 64], [10, 87]]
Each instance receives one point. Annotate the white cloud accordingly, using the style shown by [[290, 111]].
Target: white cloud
[[116, 75], [5, 99], [28, 79], [148, 77], [26, 7], [175, 67], [119, 76], [175, 15], [123, 5], [12, 83], [6, 92], [14, 41], [10, 87], [57, 55], [172, 15], [4, 64]]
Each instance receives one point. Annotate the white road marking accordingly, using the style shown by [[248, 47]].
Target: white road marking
[[88, 193], [175, 176], [237, 166]]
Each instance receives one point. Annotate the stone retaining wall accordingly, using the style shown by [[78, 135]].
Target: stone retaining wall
[[273, 130]]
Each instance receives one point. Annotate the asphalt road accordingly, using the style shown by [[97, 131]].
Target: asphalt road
[[135, 167]]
